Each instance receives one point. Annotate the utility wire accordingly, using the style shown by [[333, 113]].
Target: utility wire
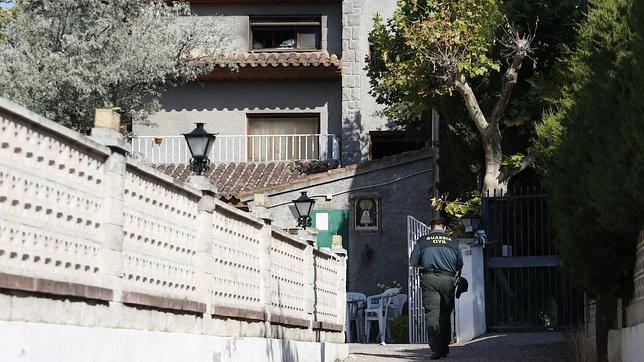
[[359, 188]]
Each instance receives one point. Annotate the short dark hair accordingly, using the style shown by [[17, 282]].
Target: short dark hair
[[437, 221]]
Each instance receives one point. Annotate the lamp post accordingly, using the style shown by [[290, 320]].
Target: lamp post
[[199, 142], [470, 221], [303, 206]]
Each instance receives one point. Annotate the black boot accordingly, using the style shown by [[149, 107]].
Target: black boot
[[436, 355], [445, 352]]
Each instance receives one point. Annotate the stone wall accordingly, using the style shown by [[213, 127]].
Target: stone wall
[[89, 237], [400, 183], [358, 106]]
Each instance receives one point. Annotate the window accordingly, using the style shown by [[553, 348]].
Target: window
[[388, 143], [283, 137], [285, 33]]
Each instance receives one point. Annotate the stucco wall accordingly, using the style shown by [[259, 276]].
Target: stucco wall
[[408, 196], [38, 342], [233, 19], [470, 307], [224, 105]]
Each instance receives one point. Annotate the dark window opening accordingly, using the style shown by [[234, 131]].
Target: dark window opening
[[389, 143], [276, 33], [372, 53]]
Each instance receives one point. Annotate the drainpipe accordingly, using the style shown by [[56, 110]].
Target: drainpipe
[[435, 156]]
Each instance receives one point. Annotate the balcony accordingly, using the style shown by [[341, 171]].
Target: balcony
[[240, 148]]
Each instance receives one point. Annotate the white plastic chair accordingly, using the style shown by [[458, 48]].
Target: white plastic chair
[[355, 305], [382, 308], [396, 305]]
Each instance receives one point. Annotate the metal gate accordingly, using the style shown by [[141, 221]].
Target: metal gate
[[417, 331], [524, 286]]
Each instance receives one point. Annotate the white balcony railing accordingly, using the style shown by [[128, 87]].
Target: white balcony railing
[[240, 148]]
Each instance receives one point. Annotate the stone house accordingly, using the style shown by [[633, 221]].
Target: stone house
[[301, 90], [297, 116]]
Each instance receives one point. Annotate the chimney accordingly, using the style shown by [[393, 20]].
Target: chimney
[[107, 118], [106, 130]]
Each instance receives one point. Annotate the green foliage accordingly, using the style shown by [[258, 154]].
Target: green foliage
[[400, 329], [457, 207], [460, 205], [592, 149], [7, 14], [65, 58], [384, 286], [406, 83], [406, 68]]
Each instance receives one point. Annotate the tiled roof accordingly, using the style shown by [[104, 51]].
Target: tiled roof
[[280, 59], [234, 178], [331, 173]]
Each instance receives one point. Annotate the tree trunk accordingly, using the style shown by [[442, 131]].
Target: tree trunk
[[492, 183], [605, 320]]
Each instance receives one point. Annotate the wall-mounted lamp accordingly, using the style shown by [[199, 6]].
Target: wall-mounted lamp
[[303, 206]]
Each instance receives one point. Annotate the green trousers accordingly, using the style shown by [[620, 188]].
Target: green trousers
[[438, 301]]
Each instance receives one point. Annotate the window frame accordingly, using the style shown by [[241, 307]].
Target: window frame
[[255, 21], [316, 117]]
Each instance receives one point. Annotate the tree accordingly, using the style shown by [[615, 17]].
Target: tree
[[461, 162], [590, 148], [65, 58], [7, 13], [433, 48]]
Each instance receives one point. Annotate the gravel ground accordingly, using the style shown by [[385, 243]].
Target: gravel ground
[[550, 346]]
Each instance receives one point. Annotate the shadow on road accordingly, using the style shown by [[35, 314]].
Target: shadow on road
[[550, 346]]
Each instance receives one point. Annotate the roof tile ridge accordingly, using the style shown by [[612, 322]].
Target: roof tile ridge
[[222, 181]]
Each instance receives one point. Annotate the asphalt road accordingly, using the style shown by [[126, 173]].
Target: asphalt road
[[546, 346]]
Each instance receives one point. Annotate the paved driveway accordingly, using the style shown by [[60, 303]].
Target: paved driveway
[[527, 347]]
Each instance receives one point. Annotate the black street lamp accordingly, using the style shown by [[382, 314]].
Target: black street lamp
[[303, 206], [199, 142], [470, 221]]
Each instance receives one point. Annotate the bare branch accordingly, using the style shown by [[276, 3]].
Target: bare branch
[[472, 104], [519, 47], [445, 60], [525, 163]]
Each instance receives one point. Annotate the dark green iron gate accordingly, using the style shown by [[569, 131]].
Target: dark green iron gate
[[524, 286]]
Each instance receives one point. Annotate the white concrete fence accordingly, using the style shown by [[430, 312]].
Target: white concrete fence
[[82, 221], [625, 344]]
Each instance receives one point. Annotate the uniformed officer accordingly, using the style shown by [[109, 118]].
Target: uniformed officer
[[439, 258]]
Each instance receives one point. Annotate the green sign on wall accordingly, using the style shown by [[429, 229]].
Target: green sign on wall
[[329, 223]]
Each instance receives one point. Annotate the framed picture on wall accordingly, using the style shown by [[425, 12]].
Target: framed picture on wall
[[366, 214]]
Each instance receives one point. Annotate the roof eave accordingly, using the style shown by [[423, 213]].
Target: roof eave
[[275, 73]]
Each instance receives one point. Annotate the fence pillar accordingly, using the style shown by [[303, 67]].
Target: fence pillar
[[111, 255], [341, 253], [261, 210], [203, 258], [310, 277]]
